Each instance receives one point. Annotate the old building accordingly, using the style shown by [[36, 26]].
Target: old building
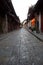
[[36, 12], [8, 17], [31, 18], [38, 9]]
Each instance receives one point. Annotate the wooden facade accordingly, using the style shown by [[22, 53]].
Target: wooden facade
[[8, 17], [37, 11], [42, 22]]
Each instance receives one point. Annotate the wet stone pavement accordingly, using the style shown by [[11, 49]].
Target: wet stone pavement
[[21, 48]]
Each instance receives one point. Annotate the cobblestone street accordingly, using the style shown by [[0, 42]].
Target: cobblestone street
[[21, 48]]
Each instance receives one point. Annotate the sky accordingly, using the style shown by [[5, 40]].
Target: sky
[[21, 7]]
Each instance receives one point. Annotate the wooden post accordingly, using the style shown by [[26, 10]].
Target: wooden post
[[5, 24], [40, 22]]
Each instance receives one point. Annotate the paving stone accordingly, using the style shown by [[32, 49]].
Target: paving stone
[[21, 48]]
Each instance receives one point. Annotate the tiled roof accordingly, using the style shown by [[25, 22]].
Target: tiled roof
[[39, 6]]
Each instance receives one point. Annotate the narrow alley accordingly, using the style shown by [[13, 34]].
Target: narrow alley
[[21, 32], [21, 48]]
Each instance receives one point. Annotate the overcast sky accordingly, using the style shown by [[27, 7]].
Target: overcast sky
[[21, 7]]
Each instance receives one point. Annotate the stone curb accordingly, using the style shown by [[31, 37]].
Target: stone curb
[[34, 35]]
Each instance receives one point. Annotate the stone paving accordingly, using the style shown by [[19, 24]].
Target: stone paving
[[21, 48]]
